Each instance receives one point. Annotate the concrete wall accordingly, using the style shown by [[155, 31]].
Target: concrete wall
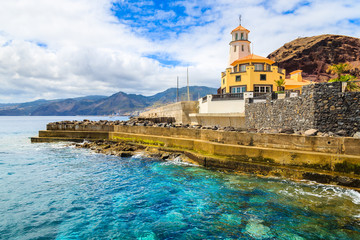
[[180, 111], [322, 106], [221, 106], [236, 120], [274, 155], [339, 145]]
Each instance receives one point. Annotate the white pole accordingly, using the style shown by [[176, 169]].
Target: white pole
[[188, 92], [177, 89]]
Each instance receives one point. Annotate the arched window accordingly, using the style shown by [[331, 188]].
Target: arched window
[[242, 47]]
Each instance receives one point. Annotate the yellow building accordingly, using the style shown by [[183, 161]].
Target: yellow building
[[296, 82], [251, 73]]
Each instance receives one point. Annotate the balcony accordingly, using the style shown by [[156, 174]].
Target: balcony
[[228, 96]]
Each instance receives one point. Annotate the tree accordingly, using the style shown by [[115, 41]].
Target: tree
[[351, 86], [339, 69], [280, 84]]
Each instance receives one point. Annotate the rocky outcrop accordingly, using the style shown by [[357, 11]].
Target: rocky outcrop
[[313, 55], [128, 149]]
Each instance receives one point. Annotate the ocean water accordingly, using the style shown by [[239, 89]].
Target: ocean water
[[54, 191]]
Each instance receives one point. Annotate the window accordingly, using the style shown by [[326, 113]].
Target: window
[[263, 77], [234, 48], [268, 67], [238, 89], [223, 80], [259, 67], [242, 36], [280, 77], [262, 89], [242, 47], [236, 68], [242, 68], [236, 36], [238, 78]]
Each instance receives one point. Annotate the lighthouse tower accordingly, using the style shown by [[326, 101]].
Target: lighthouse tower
[[239, 45]]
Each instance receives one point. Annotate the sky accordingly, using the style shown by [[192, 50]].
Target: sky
[[71, 48]]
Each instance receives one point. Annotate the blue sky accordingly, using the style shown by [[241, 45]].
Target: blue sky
[[72, 48]]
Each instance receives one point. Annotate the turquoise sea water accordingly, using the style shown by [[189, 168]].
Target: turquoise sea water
[[53, 191]]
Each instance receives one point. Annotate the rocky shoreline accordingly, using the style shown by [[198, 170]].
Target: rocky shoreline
[[128, 149]]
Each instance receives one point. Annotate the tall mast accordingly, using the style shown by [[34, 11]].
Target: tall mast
[[187, 77], [177, 89]]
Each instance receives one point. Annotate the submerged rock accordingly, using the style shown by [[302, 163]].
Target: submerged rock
[[258, 231]]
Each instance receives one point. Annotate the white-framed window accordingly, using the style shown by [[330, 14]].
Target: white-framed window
[[242, 68], [259, 67], [238, 89], [262, 89]]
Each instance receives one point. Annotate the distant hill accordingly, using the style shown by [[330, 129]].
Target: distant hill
[[118, 103], [313, 55]]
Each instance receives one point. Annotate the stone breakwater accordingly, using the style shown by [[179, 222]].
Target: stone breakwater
[[105, 125]]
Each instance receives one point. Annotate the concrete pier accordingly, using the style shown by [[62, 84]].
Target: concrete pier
[[332, 160]]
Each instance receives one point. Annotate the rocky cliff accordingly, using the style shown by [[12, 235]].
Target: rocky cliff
[[314, 54]]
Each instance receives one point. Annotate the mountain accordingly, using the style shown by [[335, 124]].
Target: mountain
[[313, 55], [118, 103], [170, 94]]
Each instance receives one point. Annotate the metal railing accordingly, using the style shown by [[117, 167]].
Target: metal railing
[[228, 96], [260, 95]]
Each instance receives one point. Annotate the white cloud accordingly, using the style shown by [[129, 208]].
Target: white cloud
[[89, 51]]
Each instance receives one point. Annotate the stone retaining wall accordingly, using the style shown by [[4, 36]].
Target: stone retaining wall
[[322, 106]]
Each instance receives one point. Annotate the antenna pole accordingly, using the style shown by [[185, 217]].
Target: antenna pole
[[187, 77], [177, 89], [240, 20]]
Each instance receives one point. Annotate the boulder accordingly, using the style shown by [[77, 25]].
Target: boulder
[[356, 135], [311, 132], [341, 133], [287, 130]]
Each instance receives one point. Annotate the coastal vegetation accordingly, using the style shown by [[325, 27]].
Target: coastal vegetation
[[280, 85], [342, 72]]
